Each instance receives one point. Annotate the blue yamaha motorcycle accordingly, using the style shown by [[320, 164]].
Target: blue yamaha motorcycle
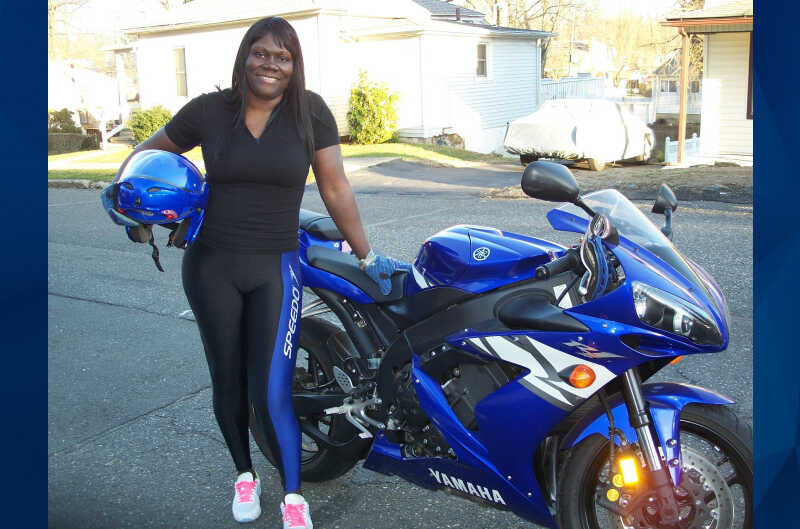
[[510, 370]]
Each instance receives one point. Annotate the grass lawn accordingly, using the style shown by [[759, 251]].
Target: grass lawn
[[94, 175], [116, 154], [424, 153]]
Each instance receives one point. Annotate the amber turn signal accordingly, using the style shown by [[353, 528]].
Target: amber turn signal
[[582, 376], [629, 472], [676, 360]]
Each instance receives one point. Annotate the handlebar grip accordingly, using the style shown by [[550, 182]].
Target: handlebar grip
[[568, 261]]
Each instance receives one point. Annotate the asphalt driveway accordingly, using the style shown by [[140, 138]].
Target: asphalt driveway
[[132, 441]]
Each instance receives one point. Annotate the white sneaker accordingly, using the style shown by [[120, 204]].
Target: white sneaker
[[295, 513], [246, 505]]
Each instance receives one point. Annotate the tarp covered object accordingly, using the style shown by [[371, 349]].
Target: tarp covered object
[[580, 128]]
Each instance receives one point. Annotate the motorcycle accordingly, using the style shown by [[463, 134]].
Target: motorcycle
[[511, 370]]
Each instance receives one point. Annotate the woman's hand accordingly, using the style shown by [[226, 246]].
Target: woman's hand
[[159, 140], [380, 270]]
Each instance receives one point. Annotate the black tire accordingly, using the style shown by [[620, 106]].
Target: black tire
[[723, 438], [315, 370], [595, 165]]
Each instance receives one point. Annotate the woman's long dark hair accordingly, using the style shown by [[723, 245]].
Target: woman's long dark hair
[[295, 95]]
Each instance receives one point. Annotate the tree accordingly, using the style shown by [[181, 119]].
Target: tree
[[542, 15], [695, 41], [58, 15]]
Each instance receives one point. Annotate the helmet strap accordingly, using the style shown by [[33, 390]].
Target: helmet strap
[[155, 252], [177, 237]]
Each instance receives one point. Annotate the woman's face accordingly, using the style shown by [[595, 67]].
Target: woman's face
[[268, 68]]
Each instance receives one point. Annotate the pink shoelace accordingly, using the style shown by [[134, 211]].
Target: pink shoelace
[[294, 514], [245, 491]]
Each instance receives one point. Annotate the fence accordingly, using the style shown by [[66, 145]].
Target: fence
[[572, 87], [670, 103], [691, 147]]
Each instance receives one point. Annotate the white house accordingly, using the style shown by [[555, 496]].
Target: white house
[[454, 73], [666, 89], [726, 118]]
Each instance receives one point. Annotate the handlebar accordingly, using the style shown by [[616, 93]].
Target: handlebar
[[569, 261]]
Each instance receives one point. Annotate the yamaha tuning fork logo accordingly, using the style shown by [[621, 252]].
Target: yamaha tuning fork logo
[[480, 254]]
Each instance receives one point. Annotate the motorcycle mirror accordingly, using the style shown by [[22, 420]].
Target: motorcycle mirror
[[549, 181], [665, 200]]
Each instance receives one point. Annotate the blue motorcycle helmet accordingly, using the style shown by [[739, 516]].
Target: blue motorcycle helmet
[[158, 187]]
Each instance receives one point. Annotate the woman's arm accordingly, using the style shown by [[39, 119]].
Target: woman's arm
[[339, 199], [159, 140]]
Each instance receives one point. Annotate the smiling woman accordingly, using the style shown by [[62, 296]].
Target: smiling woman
[[241, 276]]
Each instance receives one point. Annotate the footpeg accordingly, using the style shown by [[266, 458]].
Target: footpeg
[[356, 414]]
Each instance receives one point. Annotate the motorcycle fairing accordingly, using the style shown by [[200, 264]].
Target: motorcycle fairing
[[518, 488], [666, 400], [642, 265]]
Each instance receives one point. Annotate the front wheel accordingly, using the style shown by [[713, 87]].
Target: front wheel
[[314, 373], [716, 490]]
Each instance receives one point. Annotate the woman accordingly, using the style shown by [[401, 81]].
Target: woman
[[241, 275]]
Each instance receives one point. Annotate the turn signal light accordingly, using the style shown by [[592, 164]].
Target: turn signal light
[[676, 360], [582, 376], [629, 473]]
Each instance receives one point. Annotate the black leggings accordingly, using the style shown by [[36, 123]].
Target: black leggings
[[247, 307]]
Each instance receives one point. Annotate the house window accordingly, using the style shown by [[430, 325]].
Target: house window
[[694, 87], [481, 67], [180, 71], [669, 85], [750, 82]]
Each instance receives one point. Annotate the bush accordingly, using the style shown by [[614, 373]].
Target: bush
[[59, 121], [144, 123], [372, 117], [61, 142], [91, 142]]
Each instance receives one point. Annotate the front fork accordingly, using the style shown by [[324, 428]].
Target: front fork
[[659, 478]]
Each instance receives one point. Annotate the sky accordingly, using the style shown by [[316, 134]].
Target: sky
[[99, 16], [646, 8]]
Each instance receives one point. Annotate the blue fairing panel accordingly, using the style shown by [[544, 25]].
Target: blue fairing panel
[[666, 400]]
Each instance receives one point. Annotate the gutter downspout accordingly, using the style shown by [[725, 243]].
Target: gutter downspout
[[421, 87], [684, 92]]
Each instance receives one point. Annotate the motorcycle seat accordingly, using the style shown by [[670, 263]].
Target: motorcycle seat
[[319, 225], [345, 265]]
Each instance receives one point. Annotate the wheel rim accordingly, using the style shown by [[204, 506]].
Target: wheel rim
[[309, 376], [713, 465]]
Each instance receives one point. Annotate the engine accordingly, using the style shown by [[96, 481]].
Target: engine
[[465, 381]]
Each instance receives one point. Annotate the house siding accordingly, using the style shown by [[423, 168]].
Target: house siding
[[209, 61], [724, 126], [432, 71], [478, 108]]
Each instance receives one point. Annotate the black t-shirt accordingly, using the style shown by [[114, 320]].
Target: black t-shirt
[[255, 185]]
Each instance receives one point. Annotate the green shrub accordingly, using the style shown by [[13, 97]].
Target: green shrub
[[372, 117], [91, 142], [144, 123], [60, 121], [61, 142]]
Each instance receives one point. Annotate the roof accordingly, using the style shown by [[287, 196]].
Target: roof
[[402, 27], [734, 9], [441, 8], [393, 18], [506, 31]]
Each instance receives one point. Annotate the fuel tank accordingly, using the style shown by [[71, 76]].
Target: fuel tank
[[478, 259]]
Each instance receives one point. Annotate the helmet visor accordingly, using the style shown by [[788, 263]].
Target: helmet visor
[[108, 198]]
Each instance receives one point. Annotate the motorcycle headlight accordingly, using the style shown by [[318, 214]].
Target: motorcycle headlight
[[664, 311]]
